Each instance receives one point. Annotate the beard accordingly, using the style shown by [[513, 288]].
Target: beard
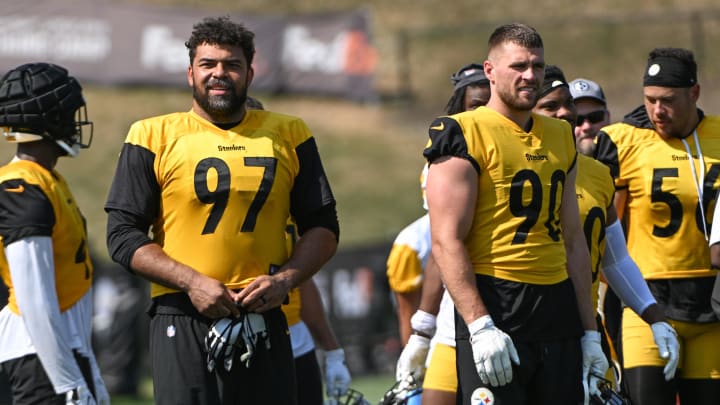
[[515, 102], [511, 98], [222, 106]]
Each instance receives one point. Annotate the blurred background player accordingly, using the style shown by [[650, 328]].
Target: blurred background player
[[592, 115], [603, 233], [45, 329], [411, 249], [471, 86], [471, 89], [308, 324], [665, 158]]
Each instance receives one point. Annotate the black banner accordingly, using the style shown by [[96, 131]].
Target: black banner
[[111, 43]]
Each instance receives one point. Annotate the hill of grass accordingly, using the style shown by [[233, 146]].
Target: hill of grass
[[372, 152]]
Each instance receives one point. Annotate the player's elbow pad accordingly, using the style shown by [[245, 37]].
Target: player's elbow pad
[[621, 272]]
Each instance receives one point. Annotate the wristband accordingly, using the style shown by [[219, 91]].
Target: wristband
[[423, 323]]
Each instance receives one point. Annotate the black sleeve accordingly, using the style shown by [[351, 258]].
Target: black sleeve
[[132, 204], [126, 233], [25, 211], [135, 188], [447, 139], [312, 203], [607, 153]]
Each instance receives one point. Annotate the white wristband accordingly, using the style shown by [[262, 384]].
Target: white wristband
[[423, 322]]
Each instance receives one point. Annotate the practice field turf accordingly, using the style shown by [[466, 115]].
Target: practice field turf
[[372, 386]]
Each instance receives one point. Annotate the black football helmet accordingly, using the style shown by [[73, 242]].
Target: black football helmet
[[352, 397], [404, 392], [41, 101], [607, 396]]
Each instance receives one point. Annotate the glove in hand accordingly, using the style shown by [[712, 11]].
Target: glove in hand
[[412, 359], [493, 352], [337, 375], [595, 363], [668, 346]]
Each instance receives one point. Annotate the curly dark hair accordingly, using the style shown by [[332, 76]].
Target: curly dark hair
[[221, 31]]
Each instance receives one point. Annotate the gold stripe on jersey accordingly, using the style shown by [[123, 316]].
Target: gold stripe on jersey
[[225, 193], [594, 188], [664, 228], [515, 234], [292, 308], [73, 268]]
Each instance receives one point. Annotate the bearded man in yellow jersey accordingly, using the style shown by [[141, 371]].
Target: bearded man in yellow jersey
[[506, 236], [665, 158], [217, 185], [45, 328]]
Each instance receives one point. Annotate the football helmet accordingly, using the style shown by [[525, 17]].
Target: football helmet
[[41, 101], [608, 396], [351, 397], [404, 392]]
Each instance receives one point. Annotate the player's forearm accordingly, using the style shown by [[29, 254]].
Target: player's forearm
[[312, 251], [459, 278], [578, 260], [432, 289], [151, 262], [622, 274], [407, 304], [312, 313]]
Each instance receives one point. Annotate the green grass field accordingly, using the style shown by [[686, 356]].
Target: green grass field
[[373, 387]]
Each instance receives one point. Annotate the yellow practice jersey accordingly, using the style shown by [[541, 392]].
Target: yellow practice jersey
[[595, 189], [408, 256], [37, 202], [515, 234], [665, 228], [219, 199]]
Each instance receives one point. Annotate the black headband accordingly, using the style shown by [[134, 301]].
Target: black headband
[[550, 84], [664, 71], [469, 74]]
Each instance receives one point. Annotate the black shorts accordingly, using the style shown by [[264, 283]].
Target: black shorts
[[30, 384], [179, 367], [544, 324], [309, 379]]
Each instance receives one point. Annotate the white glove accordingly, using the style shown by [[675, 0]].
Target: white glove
[[412, 359], [79, 396], [493, 350], [337, 375], [220, 342], [595, 363], [254, 330], [668, 346]]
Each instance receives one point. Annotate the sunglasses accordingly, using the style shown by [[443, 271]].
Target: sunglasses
[[594, 117]]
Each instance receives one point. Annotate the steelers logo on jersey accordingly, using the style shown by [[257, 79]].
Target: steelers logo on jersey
[[482, 396]]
